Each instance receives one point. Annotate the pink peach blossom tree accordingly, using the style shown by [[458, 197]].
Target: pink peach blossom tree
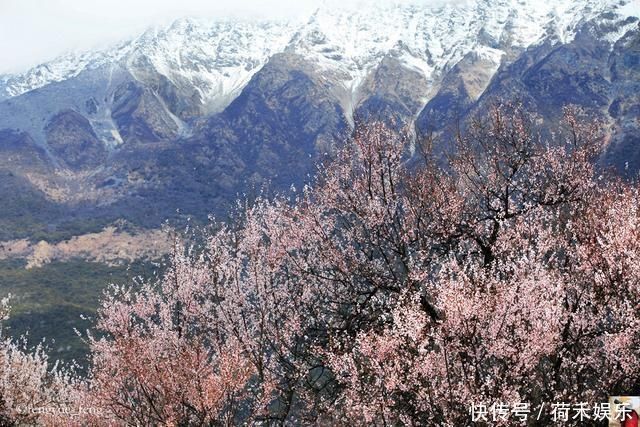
[[393, 291]]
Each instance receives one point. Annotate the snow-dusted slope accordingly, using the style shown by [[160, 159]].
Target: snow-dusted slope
[[215, 58], [218, 58], [63, 68], [433, 39]]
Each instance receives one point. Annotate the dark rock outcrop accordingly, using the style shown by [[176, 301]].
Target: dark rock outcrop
[[72, 140]]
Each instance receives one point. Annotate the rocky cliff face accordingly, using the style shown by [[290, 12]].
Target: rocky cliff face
[[191, 115], [72, 140]]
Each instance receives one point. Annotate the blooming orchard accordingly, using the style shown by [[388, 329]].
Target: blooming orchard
[[398, 289]]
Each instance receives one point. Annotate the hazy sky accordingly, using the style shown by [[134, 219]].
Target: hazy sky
[[35, 31]]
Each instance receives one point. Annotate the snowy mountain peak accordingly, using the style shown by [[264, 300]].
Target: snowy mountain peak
[[217, 58]]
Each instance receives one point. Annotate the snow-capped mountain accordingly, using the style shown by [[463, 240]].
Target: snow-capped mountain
[[433, 39], [218, 58], [190, 114]]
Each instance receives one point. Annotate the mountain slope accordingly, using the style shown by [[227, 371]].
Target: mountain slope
[[189, 115]]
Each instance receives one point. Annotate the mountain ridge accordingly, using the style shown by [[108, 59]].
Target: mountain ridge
[[192, 114], [341, 30]]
